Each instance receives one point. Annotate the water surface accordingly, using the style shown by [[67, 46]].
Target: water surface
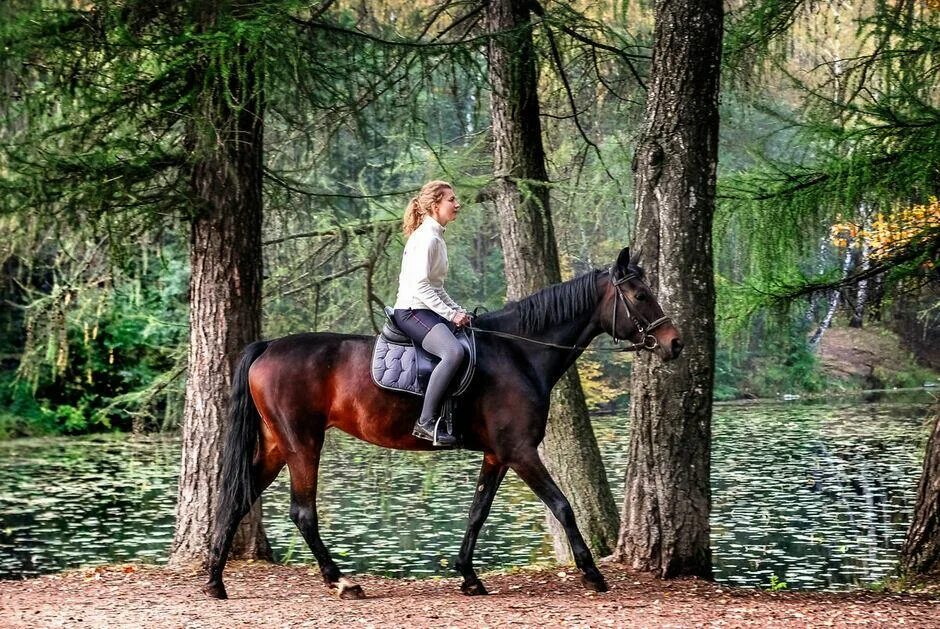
[[817, 494]]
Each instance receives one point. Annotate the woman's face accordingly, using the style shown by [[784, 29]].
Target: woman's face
[[446, 210]]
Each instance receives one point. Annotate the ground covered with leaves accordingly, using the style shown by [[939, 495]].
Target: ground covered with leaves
[[871, 358], [293, 596]]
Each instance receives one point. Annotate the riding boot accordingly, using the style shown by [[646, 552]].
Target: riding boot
[[434, 430], [439, 341]]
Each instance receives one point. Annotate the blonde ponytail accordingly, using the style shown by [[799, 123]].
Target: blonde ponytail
[[420, 206]]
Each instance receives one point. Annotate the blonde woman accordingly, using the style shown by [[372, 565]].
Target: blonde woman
[[423, 309]]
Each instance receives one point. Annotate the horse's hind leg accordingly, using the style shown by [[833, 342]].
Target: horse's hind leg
[[532, 471], [491, 475], [264, 474], [303, 511]]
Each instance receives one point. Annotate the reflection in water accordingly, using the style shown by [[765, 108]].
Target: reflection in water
[[68, 502], [818, 495]]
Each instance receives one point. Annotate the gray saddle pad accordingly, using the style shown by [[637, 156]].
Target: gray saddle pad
[[396, 365]]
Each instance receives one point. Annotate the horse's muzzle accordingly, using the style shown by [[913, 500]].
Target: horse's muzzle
[[670, 345], [676, 347]]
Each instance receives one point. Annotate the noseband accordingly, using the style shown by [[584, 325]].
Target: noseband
[[644, 326]]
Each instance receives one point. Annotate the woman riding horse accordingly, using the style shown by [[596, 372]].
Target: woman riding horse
[[287, 392], [423, 310]]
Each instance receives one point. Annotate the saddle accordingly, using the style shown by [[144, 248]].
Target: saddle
[[399, 365]]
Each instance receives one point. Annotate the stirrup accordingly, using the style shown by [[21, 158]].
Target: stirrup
[[435, 436]]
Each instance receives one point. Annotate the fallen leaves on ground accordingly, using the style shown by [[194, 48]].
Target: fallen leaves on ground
[[294, 596]]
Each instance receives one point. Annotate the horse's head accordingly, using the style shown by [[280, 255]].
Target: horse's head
[[630, 311]]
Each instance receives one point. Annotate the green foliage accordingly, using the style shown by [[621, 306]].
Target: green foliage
[[787, 366], [753, 30], [853, 130], [101, 334], [105, 108], [776, 584], [766, 359], [904, 378], [21, 414], [605, 379], [865, 133]]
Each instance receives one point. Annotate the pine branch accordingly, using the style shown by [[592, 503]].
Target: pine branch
[[926, 250], [395, 43], [355, 230]]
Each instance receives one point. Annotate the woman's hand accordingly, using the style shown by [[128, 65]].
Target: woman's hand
[[461, 319]]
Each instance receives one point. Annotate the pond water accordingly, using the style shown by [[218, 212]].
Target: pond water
[[818, 494]]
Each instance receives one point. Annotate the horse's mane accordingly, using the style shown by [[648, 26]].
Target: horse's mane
[[550, 306]]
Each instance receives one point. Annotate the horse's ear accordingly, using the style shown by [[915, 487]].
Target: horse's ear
[[623, 261]]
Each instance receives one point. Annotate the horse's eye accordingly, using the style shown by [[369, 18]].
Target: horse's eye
[[641, 295]]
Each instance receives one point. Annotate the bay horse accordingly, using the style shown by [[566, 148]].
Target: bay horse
[[287, 392]]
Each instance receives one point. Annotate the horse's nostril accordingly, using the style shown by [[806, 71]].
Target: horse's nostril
[[676, 347]]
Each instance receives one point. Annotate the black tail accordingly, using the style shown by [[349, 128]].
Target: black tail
[[236, 488]]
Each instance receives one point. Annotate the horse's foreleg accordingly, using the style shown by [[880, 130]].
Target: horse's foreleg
[[303, 511], [491, 475], [532, 471]]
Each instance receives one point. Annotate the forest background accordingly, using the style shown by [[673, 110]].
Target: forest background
[[827, 210]]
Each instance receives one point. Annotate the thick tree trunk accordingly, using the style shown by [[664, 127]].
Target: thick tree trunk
[[921, 552], [664, 522], [531, 261], [225, 298]]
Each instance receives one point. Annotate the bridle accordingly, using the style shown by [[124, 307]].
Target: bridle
[[648, 343], [643, 325]]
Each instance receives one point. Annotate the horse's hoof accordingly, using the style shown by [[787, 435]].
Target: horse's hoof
[[597, 583], [349, 591], [353, 593], [215, 590], [473, 589]]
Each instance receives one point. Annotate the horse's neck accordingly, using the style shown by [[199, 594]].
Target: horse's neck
[[550, 363]]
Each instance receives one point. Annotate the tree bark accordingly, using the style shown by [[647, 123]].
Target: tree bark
[[521, 194], [664, 522], [834, 298], [864, 263], [920, 554], [810, 316], [225, 292]]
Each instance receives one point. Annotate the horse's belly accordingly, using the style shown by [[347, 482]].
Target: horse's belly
[[395, 440], [379, 417]]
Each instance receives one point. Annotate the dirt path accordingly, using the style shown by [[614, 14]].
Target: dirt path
[[264, 595]]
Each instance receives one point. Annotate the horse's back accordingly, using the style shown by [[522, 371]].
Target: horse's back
[[314, 341], [305, 383], [300, 371]]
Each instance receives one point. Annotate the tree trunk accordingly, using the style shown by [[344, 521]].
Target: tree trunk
[[834, 297], [921, 552], [664, 522], [864, 263], [521, 193], [821, 256], [225, 294]]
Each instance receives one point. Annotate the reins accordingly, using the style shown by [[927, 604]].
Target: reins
[[635, 347], [648, 343]]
